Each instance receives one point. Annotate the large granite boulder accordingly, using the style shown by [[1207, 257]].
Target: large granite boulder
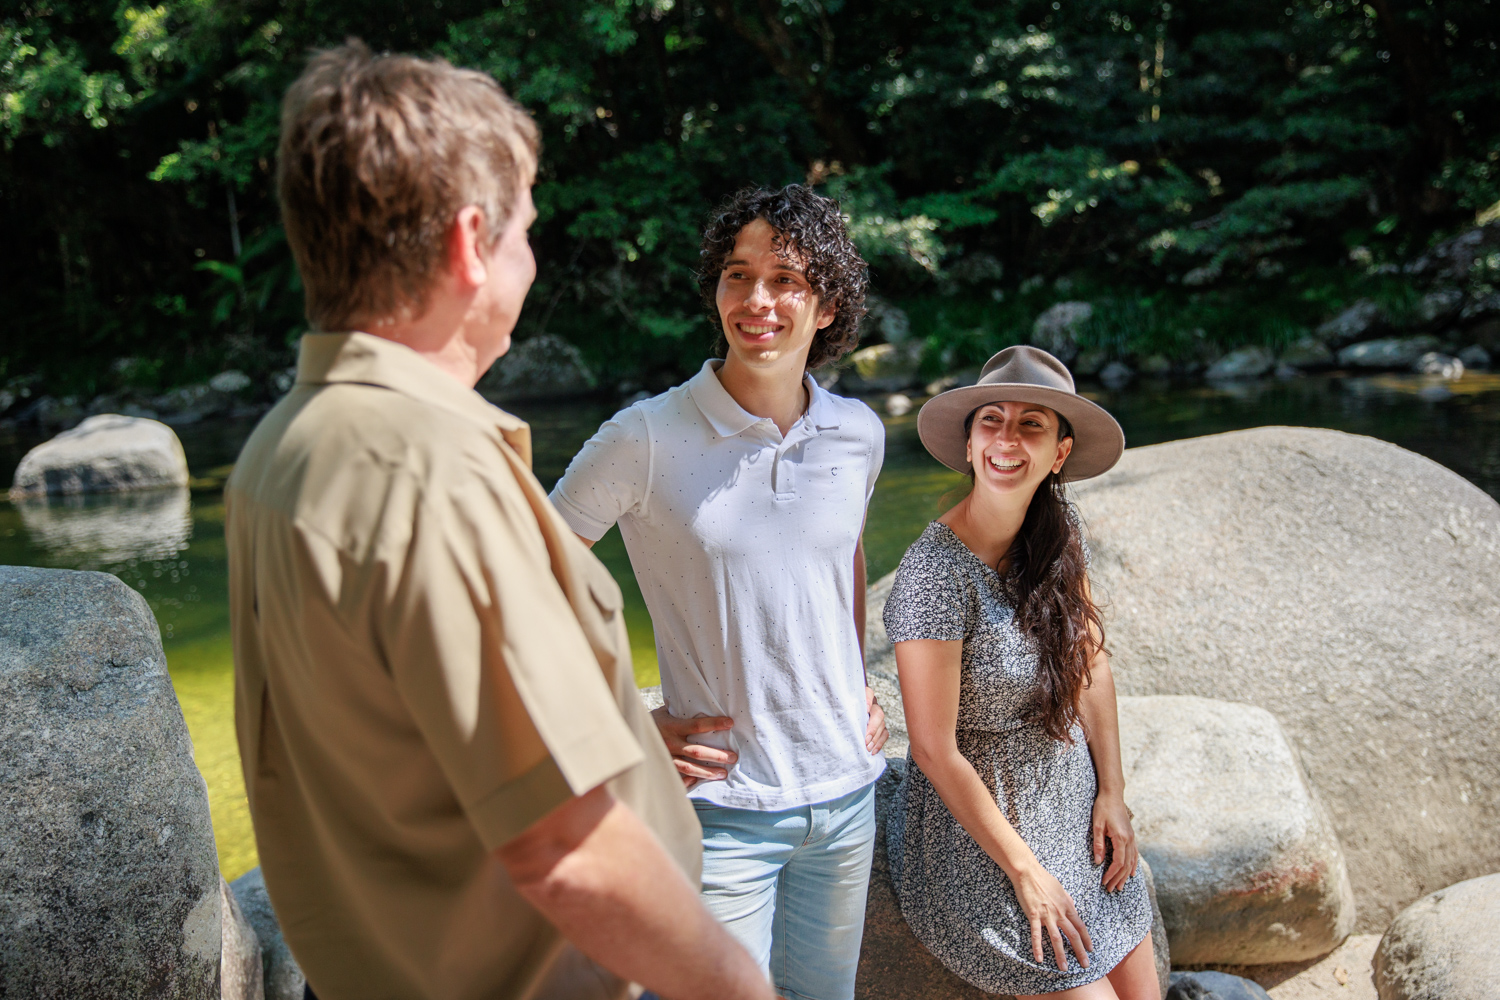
[[104, 454], [1439, 947], [893, 964], [1248, 868], [545, 367], [1362, 319], [1347, 586], [282, 975], [109, 883]]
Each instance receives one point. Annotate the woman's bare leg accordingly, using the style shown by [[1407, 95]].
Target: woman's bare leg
[[1098, 990], [1135, 977]]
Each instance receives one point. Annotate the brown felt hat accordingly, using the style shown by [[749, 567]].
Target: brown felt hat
[[1023, 375]]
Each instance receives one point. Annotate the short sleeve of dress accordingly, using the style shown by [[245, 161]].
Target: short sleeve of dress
[[929, 597]]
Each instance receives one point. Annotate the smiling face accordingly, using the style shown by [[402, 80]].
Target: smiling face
[[1013, 446], [767, 310]]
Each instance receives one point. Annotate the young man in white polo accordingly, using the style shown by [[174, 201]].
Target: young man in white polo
[[741, 495]]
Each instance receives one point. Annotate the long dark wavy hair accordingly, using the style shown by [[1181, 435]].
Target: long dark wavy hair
[[1047, 580], [809, 225]]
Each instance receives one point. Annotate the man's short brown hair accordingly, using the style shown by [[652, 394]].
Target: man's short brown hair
[[378, 153]]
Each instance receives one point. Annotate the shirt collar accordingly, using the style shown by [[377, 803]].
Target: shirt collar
[[729, 418], [364, 359]]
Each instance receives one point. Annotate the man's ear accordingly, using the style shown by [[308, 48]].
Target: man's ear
[[826, 315], [466, 238]]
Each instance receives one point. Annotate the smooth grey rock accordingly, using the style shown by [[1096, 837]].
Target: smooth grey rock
[[240, 973], [1241, 363], [1248, 867], [1156, 364], [545, 367], [109, 883], [1116, 374], [893, 965], [230, 381], [110, 528], [1475, 357], [1392, 352], [1434, 363], [1057, 330], [898, 404], [282, 975], [1439, 306], [1307, 352], [1214, 986], [1349, 587], [189, 404], [1362, 319], [884, 368], [1440, 948], [109, 453]]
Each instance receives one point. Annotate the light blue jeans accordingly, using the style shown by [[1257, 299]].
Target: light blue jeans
[[790, 886]]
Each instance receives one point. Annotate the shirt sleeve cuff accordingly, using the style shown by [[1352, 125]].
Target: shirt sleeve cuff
[[509, 810], [581, 523]]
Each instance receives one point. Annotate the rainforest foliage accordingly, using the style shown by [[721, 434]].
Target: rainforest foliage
[[1229, 169]]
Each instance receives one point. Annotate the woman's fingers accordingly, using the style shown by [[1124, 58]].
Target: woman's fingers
[[1098, 841], [1082, 928], [1077, 939], [1057, 945], [1036, 938]]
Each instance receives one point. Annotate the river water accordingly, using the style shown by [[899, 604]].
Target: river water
[[170, 546]]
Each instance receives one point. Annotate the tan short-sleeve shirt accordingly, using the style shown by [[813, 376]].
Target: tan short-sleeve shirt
[[427, 661]]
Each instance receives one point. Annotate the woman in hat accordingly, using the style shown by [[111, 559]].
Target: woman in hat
[[1011, 847]]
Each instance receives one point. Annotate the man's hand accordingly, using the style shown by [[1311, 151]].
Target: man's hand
[[694, 761], [875, 732], [601, 877]]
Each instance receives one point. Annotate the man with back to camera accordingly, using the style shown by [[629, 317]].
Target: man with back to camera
[[455, 789], [741, 496]]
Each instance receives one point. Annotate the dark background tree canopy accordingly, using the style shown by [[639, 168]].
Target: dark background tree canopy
[[1242, 166]]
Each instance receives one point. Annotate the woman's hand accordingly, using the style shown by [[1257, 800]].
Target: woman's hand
[[875, 732], [1050, 909], [1112, 820], [694, 761]]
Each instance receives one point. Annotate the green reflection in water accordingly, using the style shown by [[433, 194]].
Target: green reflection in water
[[141, 538]]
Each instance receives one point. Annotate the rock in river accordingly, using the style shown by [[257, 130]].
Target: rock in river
[[1347, 586], [1393, 352], [545, 367], [104, 454], [109, 883], [1246, 362], [1248, 868], [1440, 948]]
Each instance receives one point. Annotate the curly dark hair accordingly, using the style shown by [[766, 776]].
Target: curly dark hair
[[810, 226]]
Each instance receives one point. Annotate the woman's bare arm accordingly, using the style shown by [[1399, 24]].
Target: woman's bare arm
[[1101, 725], [929, 670]]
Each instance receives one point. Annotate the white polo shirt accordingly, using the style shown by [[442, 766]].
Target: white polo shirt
[[743, 543]]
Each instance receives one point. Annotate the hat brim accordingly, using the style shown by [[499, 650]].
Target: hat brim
[[1098, 441]]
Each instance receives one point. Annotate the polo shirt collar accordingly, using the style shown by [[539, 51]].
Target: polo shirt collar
[[729, 418], [364, 359]]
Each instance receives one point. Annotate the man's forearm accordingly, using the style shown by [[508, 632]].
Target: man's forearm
[[619, 899]]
